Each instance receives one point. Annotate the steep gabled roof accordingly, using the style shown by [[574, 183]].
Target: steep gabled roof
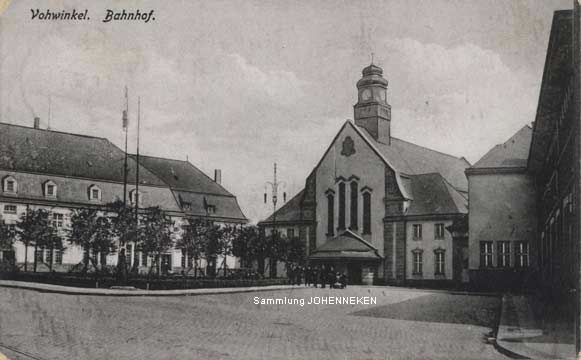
[[181, 175], [195, 204], [194, 190], [63, 154], [412, 159], [433, 195], [291, 212], [513, 153]]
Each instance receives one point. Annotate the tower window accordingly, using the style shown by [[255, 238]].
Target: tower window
[[330, 214], [341, 206], [366, 213], [354, 205]]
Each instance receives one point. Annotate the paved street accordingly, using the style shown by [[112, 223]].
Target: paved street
[[404, 324]]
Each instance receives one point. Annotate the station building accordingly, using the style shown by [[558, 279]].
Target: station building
[[377, 207]]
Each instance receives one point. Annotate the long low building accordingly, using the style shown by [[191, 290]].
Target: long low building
[[61, 171]]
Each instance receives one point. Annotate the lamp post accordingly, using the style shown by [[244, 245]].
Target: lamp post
[[274, 196]]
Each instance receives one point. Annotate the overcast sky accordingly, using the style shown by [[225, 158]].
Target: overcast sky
[[240, 85]]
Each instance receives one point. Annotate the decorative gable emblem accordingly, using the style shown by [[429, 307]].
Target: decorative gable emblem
[[348, 147]]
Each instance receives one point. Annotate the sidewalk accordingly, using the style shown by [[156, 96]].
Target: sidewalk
[[527, 331], [138, 292]]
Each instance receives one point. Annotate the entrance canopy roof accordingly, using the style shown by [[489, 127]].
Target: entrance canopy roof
[[346, 245]]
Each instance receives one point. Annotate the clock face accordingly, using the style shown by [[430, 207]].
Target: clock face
[[366, 94]]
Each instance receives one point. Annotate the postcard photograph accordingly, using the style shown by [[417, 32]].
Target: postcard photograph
[[249, 179]]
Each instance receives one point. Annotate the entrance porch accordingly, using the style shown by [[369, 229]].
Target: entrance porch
[[349, 254]]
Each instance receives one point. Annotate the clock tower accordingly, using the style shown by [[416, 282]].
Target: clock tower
[[372, 111]]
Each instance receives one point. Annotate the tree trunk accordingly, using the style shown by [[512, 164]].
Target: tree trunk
[[260, 266], [35, 261], [225, 266], [51, 259], [158, 264], [25, 256], [272, 268]]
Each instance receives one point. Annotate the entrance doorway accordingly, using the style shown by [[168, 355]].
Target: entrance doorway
[[460, 259], [354, 274], [165, 263]]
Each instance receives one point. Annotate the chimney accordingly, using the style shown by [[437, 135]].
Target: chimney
[[218, 176], [36, 122]]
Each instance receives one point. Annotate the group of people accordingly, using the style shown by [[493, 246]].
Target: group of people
[[317, 275]]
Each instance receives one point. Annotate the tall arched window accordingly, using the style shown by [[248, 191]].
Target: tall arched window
[[341, 225], [330, 214], [354, 206], [366, 213]]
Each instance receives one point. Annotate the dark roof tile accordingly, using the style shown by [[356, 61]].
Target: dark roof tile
[[412, 159], [513, 153], [433, 195], [52, 152]]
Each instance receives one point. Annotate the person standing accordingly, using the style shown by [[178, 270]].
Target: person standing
[[331, 277]]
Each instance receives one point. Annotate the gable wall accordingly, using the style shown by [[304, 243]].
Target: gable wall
[[370, 169]]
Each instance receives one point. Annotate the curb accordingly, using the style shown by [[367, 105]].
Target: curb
[[67, 290]]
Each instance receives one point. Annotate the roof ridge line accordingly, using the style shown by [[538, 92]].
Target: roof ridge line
[[282, 207], [157, 157], [54, 131], [447, 186], [212, 180], [200, 192], [427, 148], [360, 239], [138, 164]]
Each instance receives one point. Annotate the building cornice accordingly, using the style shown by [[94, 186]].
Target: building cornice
[[495, 170], [11, 171], [78, 205], [422, 217]]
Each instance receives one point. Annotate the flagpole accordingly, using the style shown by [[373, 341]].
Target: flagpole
[[137, 156], [125, 127]]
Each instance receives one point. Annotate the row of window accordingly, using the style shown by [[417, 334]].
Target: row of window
[[50, 190], [354, 208], [439, 262], [503, 254], [56, 219], [43, 255], [438, 231]]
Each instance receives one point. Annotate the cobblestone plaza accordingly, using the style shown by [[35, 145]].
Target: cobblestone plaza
[[403, 324]]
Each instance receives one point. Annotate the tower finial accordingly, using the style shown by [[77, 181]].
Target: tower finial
[[372, 58]]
